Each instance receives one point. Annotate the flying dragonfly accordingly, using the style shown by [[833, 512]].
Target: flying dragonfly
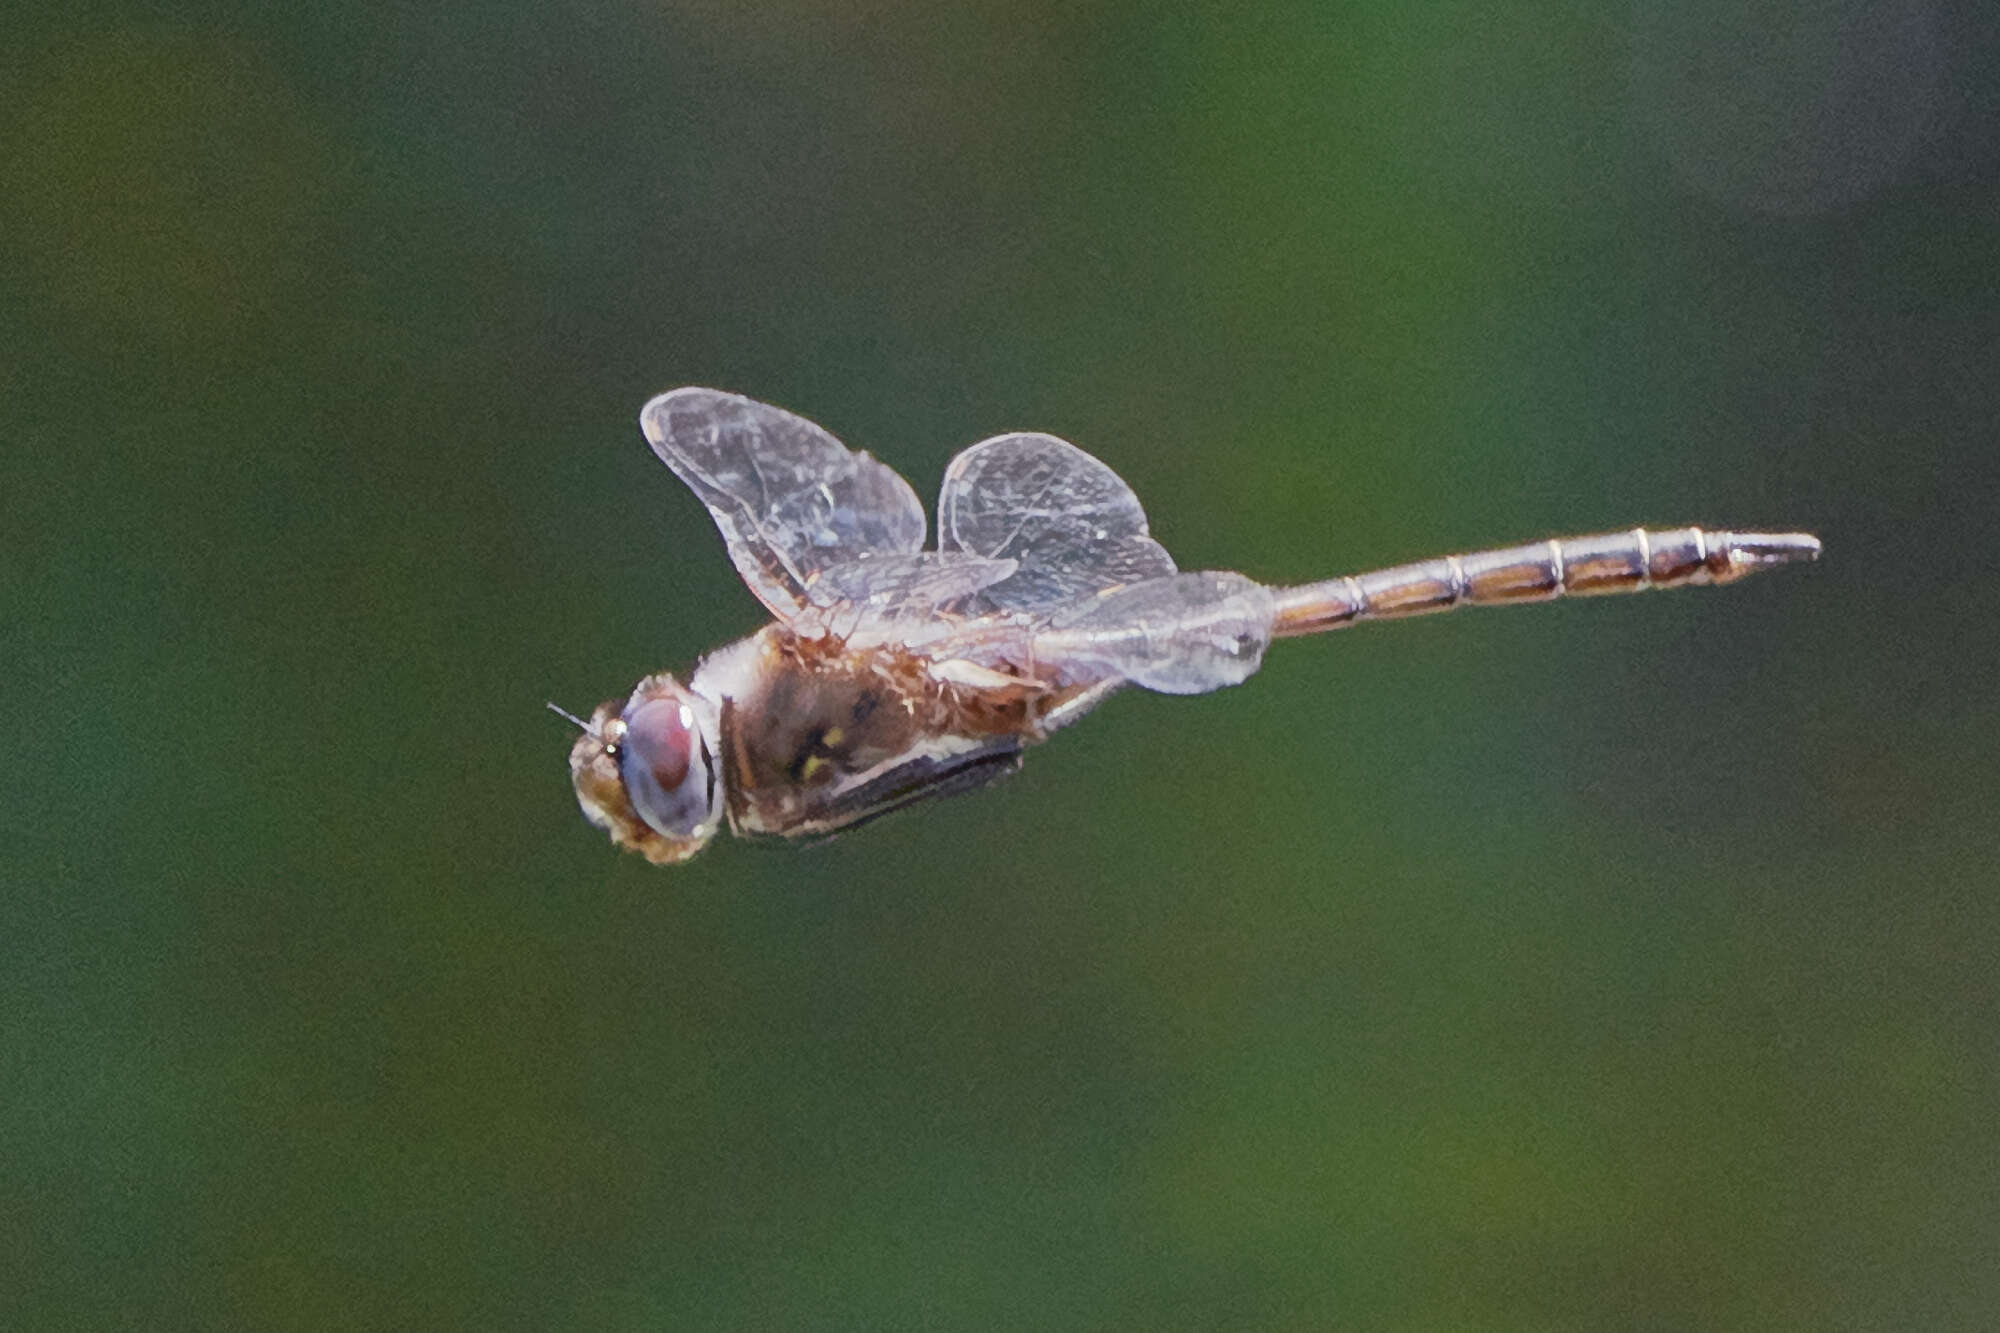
[[892, 673]]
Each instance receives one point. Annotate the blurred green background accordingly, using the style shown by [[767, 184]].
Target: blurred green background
[[1632, 964]]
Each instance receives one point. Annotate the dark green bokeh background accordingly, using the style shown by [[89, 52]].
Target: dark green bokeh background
[[1619, 965]]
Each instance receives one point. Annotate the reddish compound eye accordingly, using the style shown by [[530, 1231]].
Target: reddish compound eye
[[664, 764]]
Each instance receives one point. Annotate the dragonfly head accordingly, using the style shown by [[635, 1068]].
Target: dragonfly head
[[645, 772]]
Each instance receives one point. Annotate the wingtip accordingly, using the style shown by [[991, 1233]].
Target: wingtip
[[653, 417]]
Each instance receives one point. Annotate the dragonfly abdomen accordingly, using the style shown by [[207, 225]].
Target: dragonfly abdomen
[[1629, 561]]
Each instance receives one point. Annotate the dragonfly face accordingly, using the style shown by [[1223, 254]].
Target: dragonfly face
[[645, 772], [892, 673]]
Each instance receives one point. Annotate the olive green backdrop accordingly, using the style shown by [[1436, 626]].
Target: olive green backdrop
[[1618, 965]]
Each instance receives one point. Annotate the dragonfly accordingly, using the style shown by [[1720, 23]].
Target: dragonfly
[[892, 673]]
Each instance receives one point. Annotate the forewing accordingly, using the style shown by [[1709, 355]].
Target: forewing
[[790, 499], [1183, 634], [1068, 520]]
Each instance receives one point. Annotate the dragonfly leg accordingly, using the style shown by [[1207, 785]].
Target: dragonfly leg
[[1069, 710]]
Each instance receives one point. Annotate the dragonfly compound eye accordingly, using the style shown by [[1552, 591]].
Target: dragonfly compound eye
[[665, 766]]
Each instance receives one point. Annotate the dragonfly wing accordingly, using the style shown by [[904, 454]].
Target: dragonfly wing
[[882, 594], [1069, 522], [1182, 634], [792, 501]]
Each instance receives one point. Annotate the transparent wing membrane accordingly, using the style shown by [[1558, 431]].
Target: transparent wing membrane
[[792, 501], [1182, 634], [890, 589], [1068, 520]]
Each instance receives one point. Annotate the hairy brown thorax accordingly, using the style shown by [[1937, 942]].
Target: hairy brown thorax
[[814, 723]]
